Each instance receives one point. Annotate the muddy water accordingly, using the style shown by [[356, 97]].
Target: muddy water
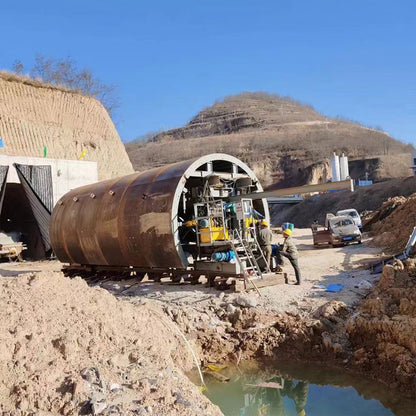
[[291, 390]]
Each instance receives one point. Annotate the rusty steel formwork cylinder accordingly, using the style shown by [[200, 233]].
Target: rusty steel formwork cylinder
[[133, 220]]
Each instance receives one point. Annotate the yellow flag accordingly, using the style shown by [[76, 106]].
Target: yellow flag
[[82, 154]]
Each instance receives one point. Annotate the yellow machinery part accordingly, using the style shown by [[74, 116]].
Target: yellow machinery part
[[216, 234]]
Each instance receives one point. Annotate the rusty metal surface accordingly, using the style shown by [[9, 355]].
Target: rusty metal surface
[[129, 221], [125, 221]]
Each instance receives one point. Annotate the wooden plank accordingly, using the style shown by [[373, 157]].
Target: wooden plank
[[270, 279]]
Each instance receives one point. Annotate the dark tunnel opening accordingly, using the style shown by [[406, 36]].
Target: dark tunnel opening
[[17, 219]]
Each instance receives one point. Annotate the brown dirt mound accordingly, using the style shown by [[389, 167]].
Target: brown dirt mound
[[398, 218], [66, 348], [382, 335]]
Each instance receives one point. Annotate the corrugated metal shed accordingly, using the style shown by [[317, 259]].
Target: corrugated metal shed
[[39, 209], [42, 182]]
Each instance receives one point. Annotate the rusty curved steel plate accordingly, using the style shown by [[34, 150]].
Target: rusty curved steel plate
[[128, 221]]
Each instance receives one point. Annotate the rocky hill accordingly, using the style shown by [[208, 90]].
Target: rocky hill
[[34, 115], [285, 142]]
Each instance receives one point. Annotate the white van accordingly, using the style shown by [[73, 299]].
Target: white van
[[353, 214]]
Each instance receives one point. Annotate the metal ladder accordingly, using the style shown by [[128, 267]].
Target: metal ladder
[[245, 258], [259, 250]]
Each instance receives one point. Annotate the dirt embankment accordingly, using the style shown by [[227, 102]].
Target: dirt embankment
[[393, 223], [70, 349], [382, 333], [235, 329], [34, 115]]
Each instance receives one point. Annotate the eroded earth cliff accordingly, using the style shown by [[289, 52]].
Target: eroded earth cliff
[[34, 115]]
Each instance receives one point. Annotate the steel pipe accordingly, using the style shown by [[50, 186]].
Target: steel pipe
[[134, 220]]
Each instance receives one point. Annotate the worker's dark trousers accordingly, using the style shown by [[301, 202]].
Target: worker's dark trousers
[[295, 265], [267, 253]]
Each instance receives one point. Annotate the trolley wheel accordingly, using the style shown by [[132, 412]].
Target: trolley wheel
[[176, 278], [140, 276], [211, 280], [156, 277], [195, 280]]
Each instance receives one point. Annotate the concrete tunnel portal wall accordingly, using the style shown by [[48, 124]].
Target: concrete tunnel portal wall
[[136, 220]]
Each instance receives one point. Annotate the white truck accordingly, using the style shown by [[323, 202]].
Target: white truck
[[351, 212], [338, 231]]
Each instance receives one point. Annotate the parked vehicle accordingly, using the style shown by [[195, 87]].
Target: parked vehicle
[[353, 214], [11, 247], [340, 230]]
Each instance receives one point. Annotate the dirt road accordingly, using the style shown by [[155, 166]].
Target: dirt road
[[320, 268]]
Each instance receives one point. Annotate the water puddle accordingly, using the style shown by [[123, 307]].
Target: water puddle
[[298, 390]]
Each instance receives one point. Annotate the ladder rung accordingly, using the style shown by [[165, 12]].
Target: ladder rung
[[244, 252], [254, 278]]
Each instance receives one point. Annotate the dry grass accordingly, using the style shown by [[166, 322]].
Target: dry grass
[[311, 142], [34, 115], [25, 80], [272, 134]]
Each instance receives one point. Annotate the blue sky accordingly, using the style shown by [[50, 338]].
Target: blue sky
[[170, 59]]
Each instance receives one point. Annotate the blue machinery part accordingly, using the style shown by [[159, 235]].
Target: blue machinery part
[[223, 256]]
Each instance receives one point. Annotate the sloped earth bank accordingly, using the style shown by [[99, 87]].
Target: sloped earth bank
[[393, 223], [68, 348], [376, 339], [383, 333]]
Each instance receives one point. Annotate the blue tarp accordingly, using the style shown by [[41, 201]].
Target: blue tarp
[[334, 288]]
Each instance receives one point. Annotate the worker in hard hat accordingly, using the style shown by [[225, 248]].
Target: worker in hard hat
[[300, 396], [290, 251], [297, 392], [264, 238]]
